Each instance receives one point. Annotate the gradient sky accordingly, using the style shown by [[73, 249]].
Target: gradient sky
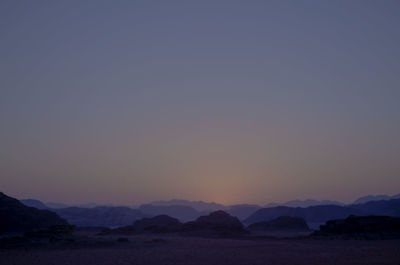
[[231, 101]]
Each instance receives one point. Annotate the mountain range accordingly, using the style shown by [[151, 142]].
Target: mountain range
[[304, 203], [369, 198], [314, 212], [316, 215]]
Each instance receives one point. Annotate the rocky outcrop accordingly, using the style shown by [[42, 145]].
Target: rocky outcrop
[[16, 217], [369, 227], [218, 222], [283, 223], [157, 224]]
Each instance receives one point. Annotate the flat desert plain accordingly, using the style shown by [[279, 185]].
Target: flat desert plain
[[176, 250]]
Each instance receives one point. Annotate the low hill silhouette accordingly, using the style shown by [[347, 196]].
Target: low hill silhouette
[[218, 222], [362, 227], [282, 223], [156, 224]]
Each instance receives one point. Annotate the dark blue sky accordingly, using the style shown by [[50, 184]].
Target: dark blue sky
[[231, 101]]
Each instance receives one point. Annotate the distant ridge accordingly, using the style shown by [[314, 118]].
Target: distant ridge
[[242, 211], [380, 197], [197, 205], [182, 212], [304, 203], [312, 214], [34, 203]]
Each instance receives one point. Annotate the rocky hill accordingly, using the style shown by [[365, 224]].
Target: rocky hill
[[218, 222], [17, 217], [362, 227], [283, 223], [156, 224]]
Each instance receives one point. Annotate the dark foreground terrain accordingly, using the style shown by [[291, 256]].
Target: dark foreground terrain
[[168, 249]]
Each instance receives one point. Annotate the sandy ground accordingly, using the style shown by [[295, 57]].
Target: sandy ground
[[148, 250]]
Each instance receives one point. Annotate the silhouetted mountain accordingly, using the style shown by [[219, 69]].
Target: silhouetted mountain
[[197, 205], [312, 214], [100, 216], [219, 222], [384, 207], [17, 217], [242, 211], [157, 224], [282, 223], [181, 212], [362, 227], [304, 203], [369, 198], [34, 203]]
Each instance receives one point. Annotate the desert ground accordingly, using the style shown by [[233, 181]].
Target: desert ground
[[176, 250]]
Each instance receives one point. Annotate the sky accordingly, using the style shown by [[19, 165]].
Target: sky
[[127, 102]]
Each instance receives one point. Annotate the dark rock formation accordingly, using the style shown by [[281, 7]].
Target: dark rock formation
[[283, 223], [16, 217], [218, 222], [365, 227], [157, 224]]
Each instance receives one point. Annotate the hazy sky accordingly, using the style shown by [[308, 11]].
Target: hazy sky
[[230, 101]]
